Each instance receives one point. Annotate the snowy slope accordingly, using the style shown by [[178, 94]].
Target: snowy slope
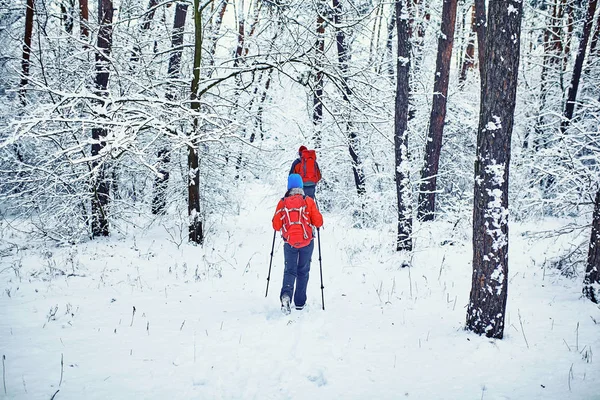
[[203, 329]]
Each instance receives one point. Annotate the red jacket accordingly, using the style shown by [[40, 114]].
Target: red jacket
[[295, 233]]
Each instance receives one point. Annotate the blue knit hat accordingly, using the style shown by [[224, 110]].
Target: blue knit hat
[[294, 181]]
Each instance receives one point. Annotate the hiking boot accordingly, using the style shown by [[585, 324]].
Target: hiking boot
[[300, 307], [285, 304]]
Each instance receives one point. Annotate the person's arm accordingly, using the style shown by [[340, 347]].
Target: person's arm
[[292, 170], [316, 218], [277, 221]]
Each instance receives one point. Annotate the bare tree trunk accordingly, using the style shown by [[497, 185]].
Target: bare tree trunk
[[161, 182], [26, 63], [145, 26], [343, 59], [318, 88], [595, 37], [84, 30], [480, 28], [100, 197], [66, 11], [591, 282], [426, 208], [403, 191], [214, 32], [149, 15], [577, 68], [469, 60], [196, 233], [489, 286], [389, 43]]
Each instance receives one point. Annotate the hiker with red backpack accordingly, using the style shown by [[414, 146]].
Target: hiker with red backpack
[[295, 216], [306, 166]]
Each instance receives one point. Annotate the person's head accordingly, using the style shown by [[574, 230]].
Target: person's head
[[294, 181], [301, 149]]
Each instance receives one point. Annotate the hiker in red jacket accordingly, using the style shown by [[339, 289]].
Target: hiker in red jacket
[[296, 216], [307, 167]]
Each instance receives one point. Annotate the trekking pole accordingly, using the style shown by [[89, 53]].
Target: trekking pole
[[270, 263], [321, 268]]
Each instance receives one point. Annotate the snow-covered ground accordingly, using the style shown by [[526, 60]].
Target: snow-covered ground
[[143, 318]]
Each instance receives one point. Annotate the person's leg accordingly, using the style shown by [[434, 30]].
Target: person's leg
[[291, 270], [305, 254]]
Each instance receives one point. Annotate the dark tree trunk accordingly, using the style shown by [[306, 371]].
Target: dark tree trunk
[[343, 59], [426, 209], [489, 287], [161, 182], [389, 43], [196, 233], [26, 62], [403, 191], [572, 94], [100, 197], [149, 16], [480, 28], [591, 282], [318, 88], [66, 11], [145, 26], [595, 37], [214, 31], [83, 19], [469, 60]]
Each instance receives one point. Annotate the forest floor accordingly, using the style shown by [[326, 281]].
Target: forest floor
[[144, 315]]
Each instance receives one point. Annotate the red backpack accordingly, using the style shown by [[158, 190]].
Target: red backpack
[[296, 231], [308, 167]]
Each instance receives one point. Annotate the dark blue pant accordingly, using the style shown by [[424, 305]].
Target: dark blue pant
[[297, 267], [309, 191]]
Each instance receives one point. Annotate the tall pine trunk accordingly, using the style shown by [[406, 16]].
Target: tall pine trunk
[[196, 233], [101, 184], [343, 52], [426, 208], [26, 60], [318, 88], [161, 182], [591, 282], [577, 68], [84, 30], [480, 28], [489, 286], [403, 191]]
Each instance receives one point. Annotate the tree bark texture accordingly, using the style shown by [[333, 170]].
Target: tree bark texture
[[489, 287], [343, 59], [318, 88], [433, 147], [480, 28], [26, 60], [196, 233], [577, 68], [101, 185], [83, 19], [389, 43], [66, 11], [403, 191], [595, 37], [161, 182], [591, 282], [149, 16]]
